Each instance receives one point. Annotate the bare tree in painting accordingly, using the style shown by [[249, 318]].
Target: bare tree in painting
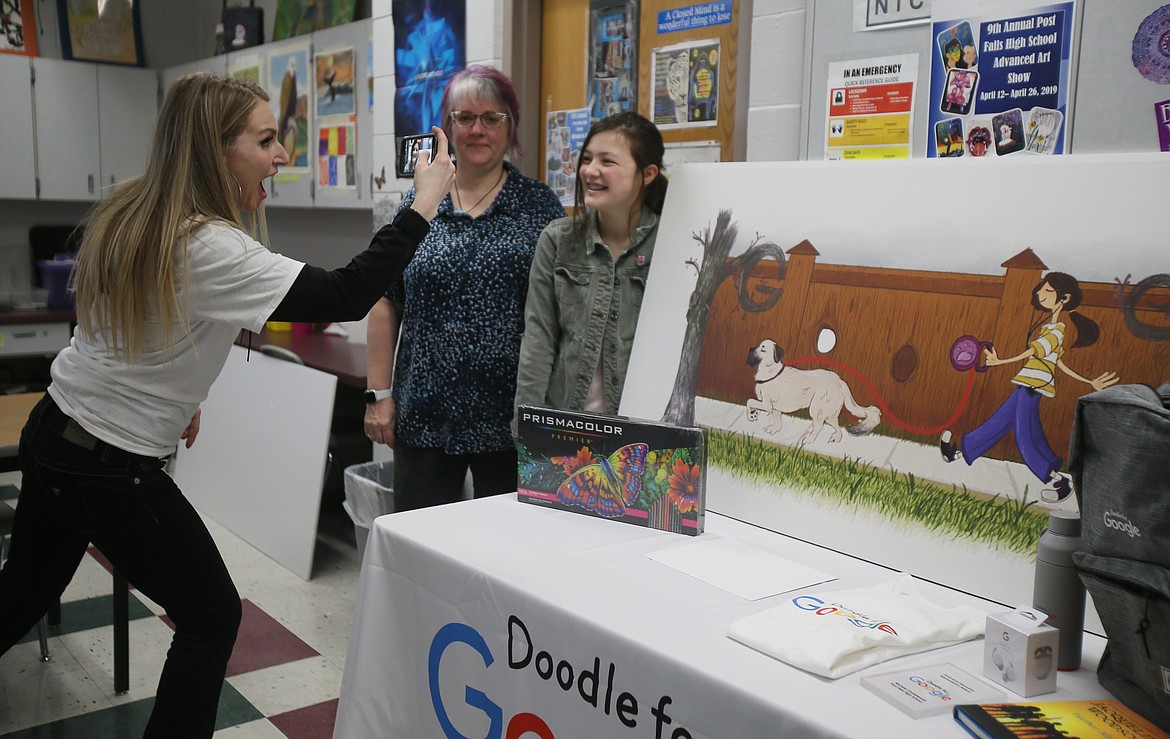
[[713, 268]]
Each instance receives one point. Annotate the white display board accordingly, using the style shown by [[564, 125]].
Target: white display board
[[258, 464], [896, 227]]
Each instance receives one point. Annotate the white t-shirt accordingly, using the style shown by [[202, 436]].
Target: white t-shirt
[[143, 408]]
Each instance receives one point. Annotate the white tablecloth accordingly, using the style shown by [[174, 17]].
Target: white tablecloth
[[488, 617]]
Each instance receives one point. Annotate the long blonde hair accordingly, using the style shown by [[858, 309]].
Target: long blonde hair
[[133, 256]]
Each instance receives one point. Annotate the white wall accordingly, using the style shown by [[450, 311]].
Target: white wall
[[776, 85]]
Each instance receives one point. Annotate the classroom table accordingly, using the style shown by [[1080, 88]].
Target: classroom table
[[14, 410], [491, 614]]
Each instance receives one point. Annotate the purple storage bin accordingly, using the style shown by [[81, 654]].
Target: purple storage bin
[[55, 276]]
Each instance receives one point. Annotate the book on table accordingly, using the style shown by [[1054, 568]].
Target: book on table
[[1084, 719]]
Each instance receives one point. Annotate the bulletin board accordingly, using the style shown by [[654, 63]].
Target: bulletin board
[[564, 57], [1113, 104]]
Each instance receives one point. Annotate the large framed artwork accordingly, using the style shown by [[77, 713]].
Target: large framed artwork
[[96, 31], [18, 27]]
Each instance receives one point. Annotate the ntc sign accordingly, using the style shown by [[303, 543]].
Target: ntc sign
[[879, 13]]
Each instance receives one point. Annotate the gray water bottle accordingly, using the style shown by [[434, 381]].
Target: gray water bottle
[[1058, 590]]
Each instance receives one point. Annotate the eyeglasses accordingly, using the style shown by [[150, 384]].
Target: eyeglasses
[[491, 120]]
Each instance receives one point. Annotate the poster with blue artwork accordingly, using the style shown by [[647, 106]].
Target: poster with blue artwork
[[429, 46]]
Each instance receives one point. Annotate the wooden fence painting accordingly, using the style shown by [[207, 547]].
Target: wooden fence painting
[[880, 284]]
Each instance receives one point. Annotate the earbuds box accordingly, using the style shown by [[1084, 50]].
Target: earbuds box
[[1020, 651]]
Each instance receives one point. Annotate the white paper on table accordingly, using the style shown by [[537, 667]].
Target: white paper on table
[[738, 568]]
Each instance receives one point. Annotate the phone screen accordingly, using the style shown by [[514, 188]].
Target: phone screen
[[409, 149]]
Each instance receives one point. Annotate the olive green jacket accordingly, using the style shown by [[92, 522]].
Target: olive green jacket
[[581, 305]]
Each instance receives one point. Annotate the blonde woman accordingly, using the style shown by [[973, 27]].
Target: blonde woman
[[167, 275]]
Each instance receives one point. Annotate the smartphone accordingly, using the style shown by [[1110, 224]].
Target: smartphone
[[409, 148]]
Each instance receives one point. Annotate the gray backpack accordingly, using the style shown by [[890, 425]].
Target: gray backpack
[[1119, 457]]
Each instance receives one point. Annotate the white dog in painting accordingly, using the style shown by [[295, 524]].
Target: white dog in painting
[[783, 389]]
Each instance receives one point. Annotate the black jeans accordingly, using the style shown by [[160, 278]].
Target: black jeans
[[76, 490], [426, 477]]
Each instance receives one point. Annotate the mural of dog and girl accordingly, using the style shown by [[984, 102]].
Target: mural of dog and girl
[[888, 398]]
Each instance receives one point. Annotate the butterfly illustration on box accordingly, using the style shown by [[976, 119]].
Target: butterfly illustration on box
[[606, 486]]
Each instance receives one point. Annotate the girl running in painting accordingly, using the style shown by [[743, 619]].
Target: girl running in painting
[[1058, 294]]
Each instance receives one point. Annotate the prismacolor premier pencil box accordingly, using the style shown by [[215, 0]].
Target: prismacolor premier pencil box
[[644, 473]]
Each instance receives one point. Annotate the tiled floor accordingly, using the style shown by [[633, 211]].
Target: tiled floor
[[283, 679]]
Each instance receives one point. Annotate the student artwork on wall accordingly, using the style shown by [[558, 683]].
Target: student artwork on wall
[[686, 84], [336, 116], [1000, 80], [298, 17], [246, 67], [334, 72], [100, 32], [566, 131], [337, 153], [861, 356], [289, 83], [18, 27], [429, 47], [612, 82]]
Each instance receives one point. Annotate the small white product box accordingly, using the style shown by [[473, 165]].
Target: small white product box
[[1020, 651]]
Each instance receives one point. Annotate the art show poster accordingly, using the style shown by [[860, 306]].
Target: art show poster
[[1000, 78], [565, 133], [685, 84], [289, 83], [429, 46], [870, 108], [613, 51]]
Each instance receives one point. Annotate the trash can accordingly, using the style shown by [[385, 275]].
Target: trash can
[[369, 493]]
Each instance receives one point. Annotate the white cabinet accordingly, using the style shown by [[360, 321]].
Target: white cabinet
[[127, 109], [65, 100], [94, 125], [17, 155]]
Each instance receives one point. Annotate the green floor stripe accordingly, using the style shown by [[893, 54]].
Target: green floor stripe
[[129, 720], [91, 613]]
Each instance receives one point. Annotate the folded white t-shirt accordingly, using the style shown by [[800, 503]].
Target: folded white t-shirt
[[837, 633]]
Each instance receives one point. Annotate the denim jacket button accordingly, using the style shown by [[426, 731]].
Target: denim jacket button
[[613, 315]]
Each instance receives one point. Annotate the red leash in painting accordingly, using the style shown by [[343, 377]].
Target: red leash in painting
[[961, 359]]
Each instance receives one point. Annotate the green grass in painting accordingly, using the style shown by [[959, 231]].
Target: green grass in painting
[[855, 484]]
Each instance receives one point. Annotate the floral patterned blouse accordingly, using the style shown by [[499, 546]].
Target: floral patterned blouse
[[463, 319]]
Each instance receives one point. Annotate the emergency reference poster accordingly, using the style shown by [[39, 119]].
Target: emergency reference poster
[[870, 108]]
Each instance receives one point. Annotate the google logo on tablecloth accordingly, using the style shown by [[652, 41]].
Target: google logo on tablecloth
[[592, 684], [521, 723]]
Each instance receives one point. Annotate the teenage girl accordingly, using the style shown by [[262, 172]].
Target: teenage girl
[[589, 274], [1058, 295]]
